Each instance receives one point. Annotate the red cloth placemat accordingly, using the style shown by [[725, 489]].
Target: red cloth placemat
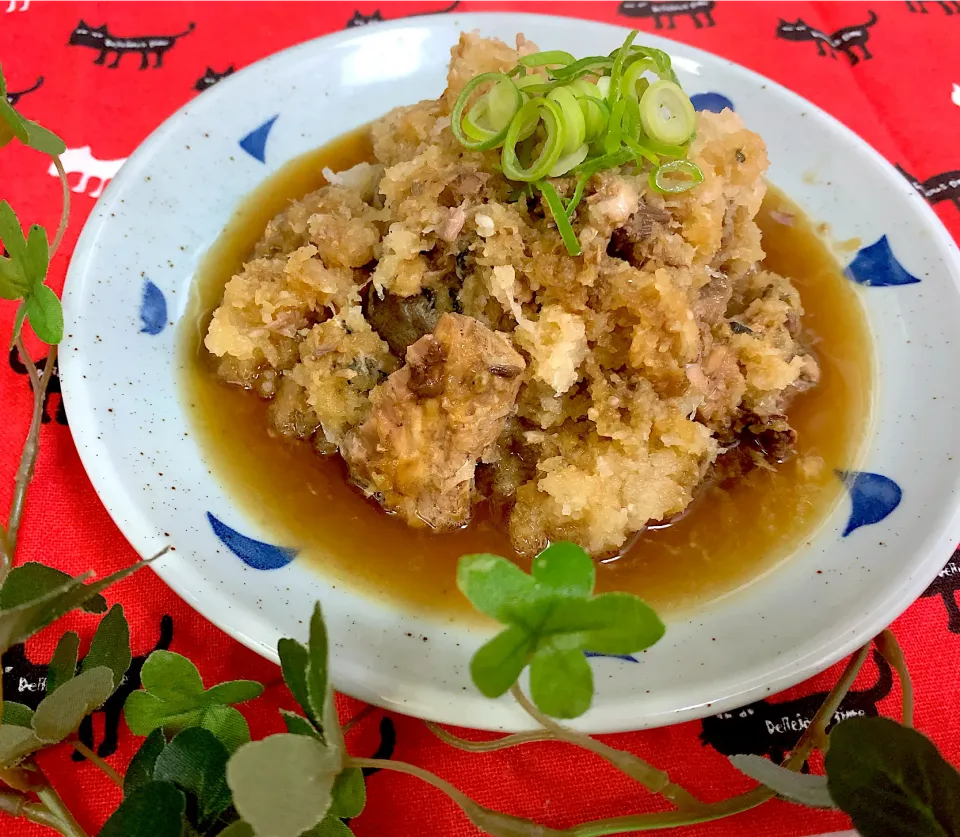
[[894, 84]]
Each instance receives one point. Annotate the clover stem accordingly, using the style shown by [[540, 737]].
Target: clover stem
[[831, 703], [746, 801], [888, 646], [486, 819], [65, 210], [514, 740], [356, 719], [654, 780], [57, 809], [28, 459], [84, 750], [6, 559]]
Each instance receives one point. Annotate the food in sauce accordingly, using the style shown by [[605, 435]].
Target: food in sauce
[[420, 319]]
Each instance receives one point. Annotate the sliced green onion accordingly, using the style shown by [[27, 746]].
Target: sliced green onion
[[550, 121], [503, 101], [577, 194], [493, 138], [472, 123], [663, 178], [640, 153], [541, 59], [595, 62], [607, 161], [553, 84], [667, 114], [560, 217], [523, 84], [544, 86], [660, 58], [569, 161], [617, 68], [611, 140], [550, 114], [597, 115], [595, 110], [674, 152], [630, 121], [632, 78], [574, 124]]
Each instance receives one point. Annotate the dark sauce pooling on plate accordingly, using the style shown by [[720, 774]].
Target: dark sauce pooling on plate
[[728, 539]]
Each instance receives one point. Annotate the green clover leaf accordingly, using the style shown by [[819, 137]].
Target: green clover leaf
[[31, 599], [31, 581], [16, 714], [111, 645], [552, 618], [63, 665], [12, 124], [891, 780], [140, 769], [22, 275], [45, 313], [155, 809], [173, 698], [36, 256], [227, 724], [305, 670], [40, 139], [297, 769], [196, 762], [13, 278]]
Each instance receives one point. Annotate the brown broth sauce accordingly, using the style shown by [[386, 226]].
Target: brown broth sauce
[[728, 539]]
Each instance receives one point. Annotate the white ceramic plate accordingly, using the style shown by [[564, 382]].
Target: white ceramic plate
[[128, 285]]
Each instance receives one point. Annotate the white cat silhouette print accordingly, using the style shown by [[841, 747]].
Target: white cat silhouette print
[[81, 161]]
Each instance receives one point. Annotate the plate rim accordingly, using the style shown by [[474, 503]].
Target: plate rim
[[216, 609]]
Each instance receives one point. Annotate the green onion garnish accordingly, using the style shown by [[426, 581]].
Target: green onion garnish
[[550, 115], [488, 138], [582, 117], [541, 59], [665, 178], [667, 114], [555, 205]]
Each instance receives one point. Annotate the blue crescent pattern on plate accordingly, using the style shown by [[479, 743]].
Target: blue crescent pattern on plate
[[873, 498], [255, 143], [876, 267], [153, 309], [253, 553], [713, 102]]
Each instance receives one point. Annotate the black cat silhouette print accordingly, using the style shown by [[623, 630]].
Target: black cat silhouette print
[[700, 12], [845, 40], [99, 38]]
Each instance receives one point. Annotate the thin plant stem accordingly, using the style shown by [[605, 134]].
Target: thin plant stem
[[514, 740], [892, 652], [19, 806], [52, 802], [31, 447], [490, 821], [356, 719], [654, 780], [84, 750], [829, 706], [504, 825], [65, 207], [5, 556]]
